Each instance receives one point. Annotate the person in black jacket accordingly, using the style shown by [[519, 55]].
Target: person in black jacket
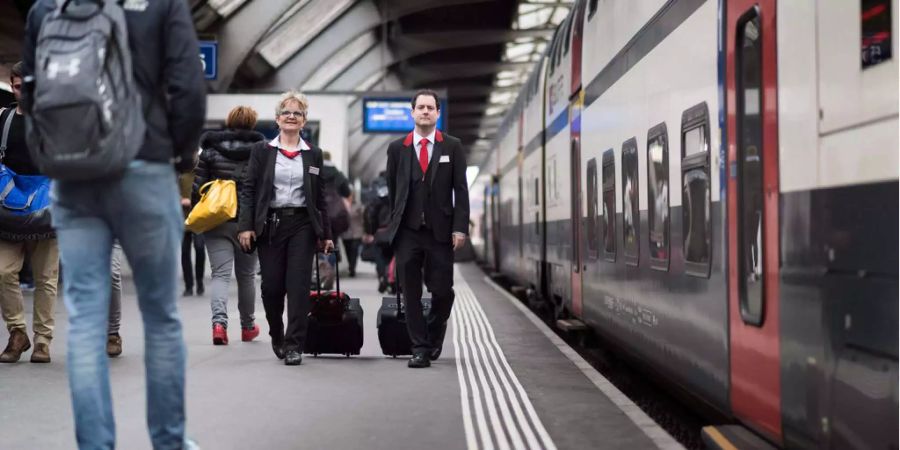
[[376, 220], [141, 209], [429, 221], [283, 210], [224, 157]]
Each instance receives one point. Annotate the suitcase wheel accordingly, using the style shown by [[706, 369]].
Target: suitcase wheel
[[394, 356]]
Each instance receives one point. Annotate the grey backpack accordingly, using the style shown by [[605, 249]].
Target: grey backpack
[[85, 121]]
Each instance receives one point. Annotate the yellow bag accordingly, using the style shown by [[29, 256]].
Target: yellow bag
[[217, 205]]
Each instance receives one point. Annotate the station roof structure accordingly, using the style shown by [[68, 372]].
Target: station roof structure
[[479, 52]]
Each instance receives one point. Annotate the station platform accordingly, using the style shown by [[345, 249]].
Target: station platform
[[504, 381]]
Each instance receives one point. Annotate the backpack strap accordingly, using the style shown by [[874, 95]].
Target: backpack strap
[[6, 126]]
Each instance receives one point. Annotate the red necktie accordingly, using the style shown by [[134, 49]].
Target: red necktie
[[289, 153], [423, 155]]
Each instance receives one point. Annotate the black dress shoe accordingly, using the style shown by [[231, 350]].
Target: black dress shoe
[[188, 292], [435, 354], [292, 358], [278, 349], [200, 290], [419, 361]]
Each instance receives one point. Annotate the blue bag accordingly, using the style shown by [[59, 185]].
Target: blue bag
[[23, 195], [24, 199]]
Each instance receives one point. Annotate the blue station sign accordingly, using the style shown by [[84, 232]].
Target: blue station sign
[[209, 57]]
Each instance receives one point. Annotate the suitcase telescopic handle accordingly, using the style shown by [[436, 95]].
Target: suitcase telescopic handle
[[399, 292], [318, 279], [337, 273], [337, 270]]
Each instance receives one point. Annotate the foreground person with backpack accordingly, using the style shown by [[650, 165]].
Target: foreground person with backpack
[[107, 125]]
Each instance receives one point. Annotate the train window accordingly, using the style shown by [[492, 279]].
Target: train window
[[593, 210], [537, 201], [695, 191], [631, 213], [592, 9], [658, 196], [609, 206], [695, 142], [749, 169]]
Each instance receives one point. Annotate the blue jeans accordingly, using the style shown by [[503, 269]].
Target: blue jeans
[[142, 211]]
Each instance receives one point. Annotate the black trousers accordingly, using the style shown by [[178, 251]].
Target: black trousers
[[285, 259], [351, 246], [417, 251], [189, 271], [382, 260]]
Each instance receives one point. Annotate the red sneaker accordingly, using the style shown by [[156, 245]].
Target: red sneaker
[[249, 334], [220, 335]]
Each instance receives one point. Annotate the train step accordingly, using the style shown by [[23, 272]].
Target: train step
[[731, 437], [571, 325], [518, 291]]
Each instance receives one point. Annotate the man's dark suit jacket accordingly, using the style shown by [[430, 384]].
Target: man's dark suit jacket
[[259, 188], [446, 183]]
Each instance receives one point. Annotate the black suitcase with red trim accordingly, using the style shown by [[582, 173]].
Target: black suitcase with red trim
[[335, 321]]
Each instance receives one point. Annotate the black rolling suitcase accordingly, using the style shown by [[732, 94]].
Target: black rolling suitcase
[[392, 332], [335, 321]]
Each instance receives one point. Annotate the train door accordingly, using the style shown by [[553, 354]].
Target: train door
[[753, 197], [495, 220], [575, 108], [575, 198]]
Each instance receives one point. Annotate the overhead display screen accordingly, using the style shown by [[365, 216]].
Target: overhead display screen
[[391, 115]]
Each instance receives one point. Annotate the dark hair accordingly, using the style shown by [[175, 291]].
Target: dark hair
[[16, 71], [437, 100]]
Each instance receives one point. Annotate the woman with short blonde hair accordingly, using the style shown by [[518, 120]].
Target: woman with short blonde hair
[[282, 211]]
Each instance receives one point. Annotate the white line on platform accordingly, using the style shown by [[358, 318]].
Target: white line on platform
[[657, 434], [490, 389], [481, 358], [538, 427], [471, 440], [464, 363], [489, 359]]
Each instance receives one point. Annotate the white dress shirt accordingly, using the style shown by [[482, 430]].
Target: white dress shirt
[[288, 177]]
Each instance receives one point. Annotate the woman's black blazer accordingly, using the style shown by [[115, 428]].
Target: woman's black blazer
[[259, 188]]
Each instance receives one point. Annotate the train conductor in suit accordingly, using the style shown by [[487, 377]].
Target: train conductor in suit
[[429, 221]]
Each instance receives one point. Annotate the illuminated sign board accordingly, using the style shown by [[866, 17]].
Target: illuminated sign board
[[391, 115]]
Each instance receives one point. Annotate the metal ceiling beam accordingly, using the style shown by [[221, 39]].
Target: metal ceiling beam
[[476, 121], [242, 31], [478, 90], [324, 59], [395, 9], [416, 75], [285, 41], [414, 44], [460, 108]]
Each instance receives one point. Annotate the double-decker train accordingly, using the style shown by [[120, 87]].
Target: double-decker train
[[712, 187]]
